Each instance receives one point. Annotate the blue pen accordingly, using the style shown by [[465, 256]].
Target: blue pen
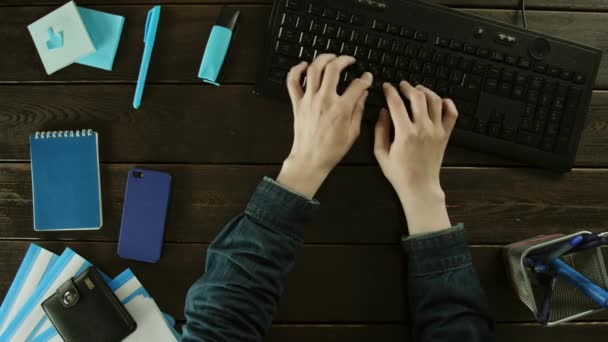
[[149, 37]]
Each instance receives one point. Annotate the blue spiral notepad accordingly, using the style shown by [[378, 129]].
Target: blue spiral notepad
[[66, 190]]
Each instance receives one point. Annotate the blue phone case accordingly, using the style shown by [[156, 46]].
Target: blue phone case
[[144, 214]]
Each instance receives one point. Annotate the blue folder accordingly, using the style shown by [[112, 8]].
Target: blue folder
[[65, 180]]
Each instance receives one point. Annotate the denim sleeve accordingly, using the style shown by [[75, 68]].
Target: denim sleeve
[[446, 301], [247, 266]]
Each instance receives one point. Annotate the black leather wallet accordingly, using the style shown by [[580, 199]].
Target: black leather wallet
[[85, 309]]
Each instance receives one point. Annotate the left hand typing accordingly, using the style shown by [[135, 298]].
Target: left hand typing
[[325, 124]]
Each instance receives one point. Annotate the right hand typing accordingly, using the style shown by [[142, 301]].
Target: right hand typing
[[412, 161]]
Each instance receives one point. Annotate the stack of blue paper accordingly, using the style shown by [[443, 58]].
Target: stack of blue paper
[[39, 276]]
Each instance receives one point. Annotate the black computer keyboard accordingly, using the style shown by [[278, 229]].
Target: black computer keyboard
[[519, 93]]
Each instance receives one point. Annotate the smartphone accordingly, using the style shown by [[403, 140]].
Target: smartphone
[[144, 215]]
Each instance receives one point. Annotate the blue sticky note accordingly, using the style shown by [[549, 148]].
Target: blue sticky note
[[105, 30]]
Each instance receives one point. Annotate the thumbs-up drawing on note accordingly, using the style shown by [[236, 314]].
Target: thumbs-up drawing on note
[[55, 39]]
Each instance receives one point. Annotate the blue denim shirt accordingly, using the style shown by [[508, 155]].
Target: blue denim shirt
[[248, 263]]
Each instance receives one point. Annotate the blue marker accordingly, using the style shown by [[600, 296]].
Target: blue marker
[[149, 37], [217, 45]]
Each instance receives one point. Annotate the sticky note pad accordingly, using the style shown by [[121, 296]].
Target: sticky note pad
[[105, 30], [61, 38]]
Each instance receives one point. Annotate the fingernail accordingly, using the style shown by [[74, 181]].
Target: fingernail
[[368, 75]]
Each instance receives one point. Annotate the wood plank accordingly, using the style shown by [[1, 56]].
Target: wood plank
[[177, 55], [497, 205], [197, 124], [595, 5], [351, 284], [581, 332]]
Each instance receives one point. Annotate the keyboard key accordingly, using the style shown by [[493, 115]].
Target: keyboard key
[[466, 64], [439, 58], [331, 31], [443, 72], [443, 88], [399, 47], [374, 69], [526, 124], [316, 27], [504, 89], [372, 41], [412, 50], [521, 79], [303, 24], [293, 4], [507, 76], [532, 96], [547, 144], [289, 20], [348, 49], [415, 79], [456, 77], [494, 72], [566, 75], [429, 82], [357, 20], [524, 63], [528, 139], [483, 52], [456, 45], [452, 61], [494, 130], [289, 35], [481, 126], [529, 110], [330, 13], [465, 94], [537, 82], [379, 26], [388, 74], [361, 52], [511, 60], [307, 54], [407, 32], [518, 93], [559, 102], [498, 56], [403, 62], [491, 85], [375, 56], [287, 49], [315, 9], [540, 68], [464, 122], [545, 100], [428, 69], [358, 37], [470, 49], [385, 44], [426, 53], [283, 62], [507, 133], [415, 66], [344, 16], [388, 59], [394, 29], [442, 42], [307, 39], [554, 71], [320, 43], [579, 78], [345, 34], [472, 82], [360, 67], [401, 75], [421, 36], [479, 69], [334, 46]]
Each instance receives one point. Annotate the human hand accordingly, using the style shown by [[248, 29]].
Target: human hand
[[412, 161], [325, 124]]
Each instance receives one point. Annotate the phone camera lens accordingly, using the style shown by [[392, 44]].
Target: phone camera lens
[[138, 174]]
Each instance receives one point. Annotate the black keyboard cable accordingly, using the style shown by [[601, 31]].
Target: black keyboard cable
[[523, 13]]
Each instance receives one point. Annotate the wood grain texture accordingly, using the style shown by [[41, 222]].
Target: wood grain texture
[[595, 5], [180, 44], [580, 332], [349, 284], [497, 205], [199, 124]]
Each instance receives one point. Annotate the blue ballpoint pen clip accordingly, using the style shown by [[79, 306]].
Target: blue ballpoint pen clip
[[149, 38]]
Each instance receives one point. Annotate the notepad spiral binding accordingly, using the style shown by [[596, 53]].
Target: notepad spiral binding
[[63, 134]]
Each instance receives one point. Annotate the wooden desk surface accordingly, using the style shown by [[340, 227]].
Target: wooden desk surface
[[218, 143]]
